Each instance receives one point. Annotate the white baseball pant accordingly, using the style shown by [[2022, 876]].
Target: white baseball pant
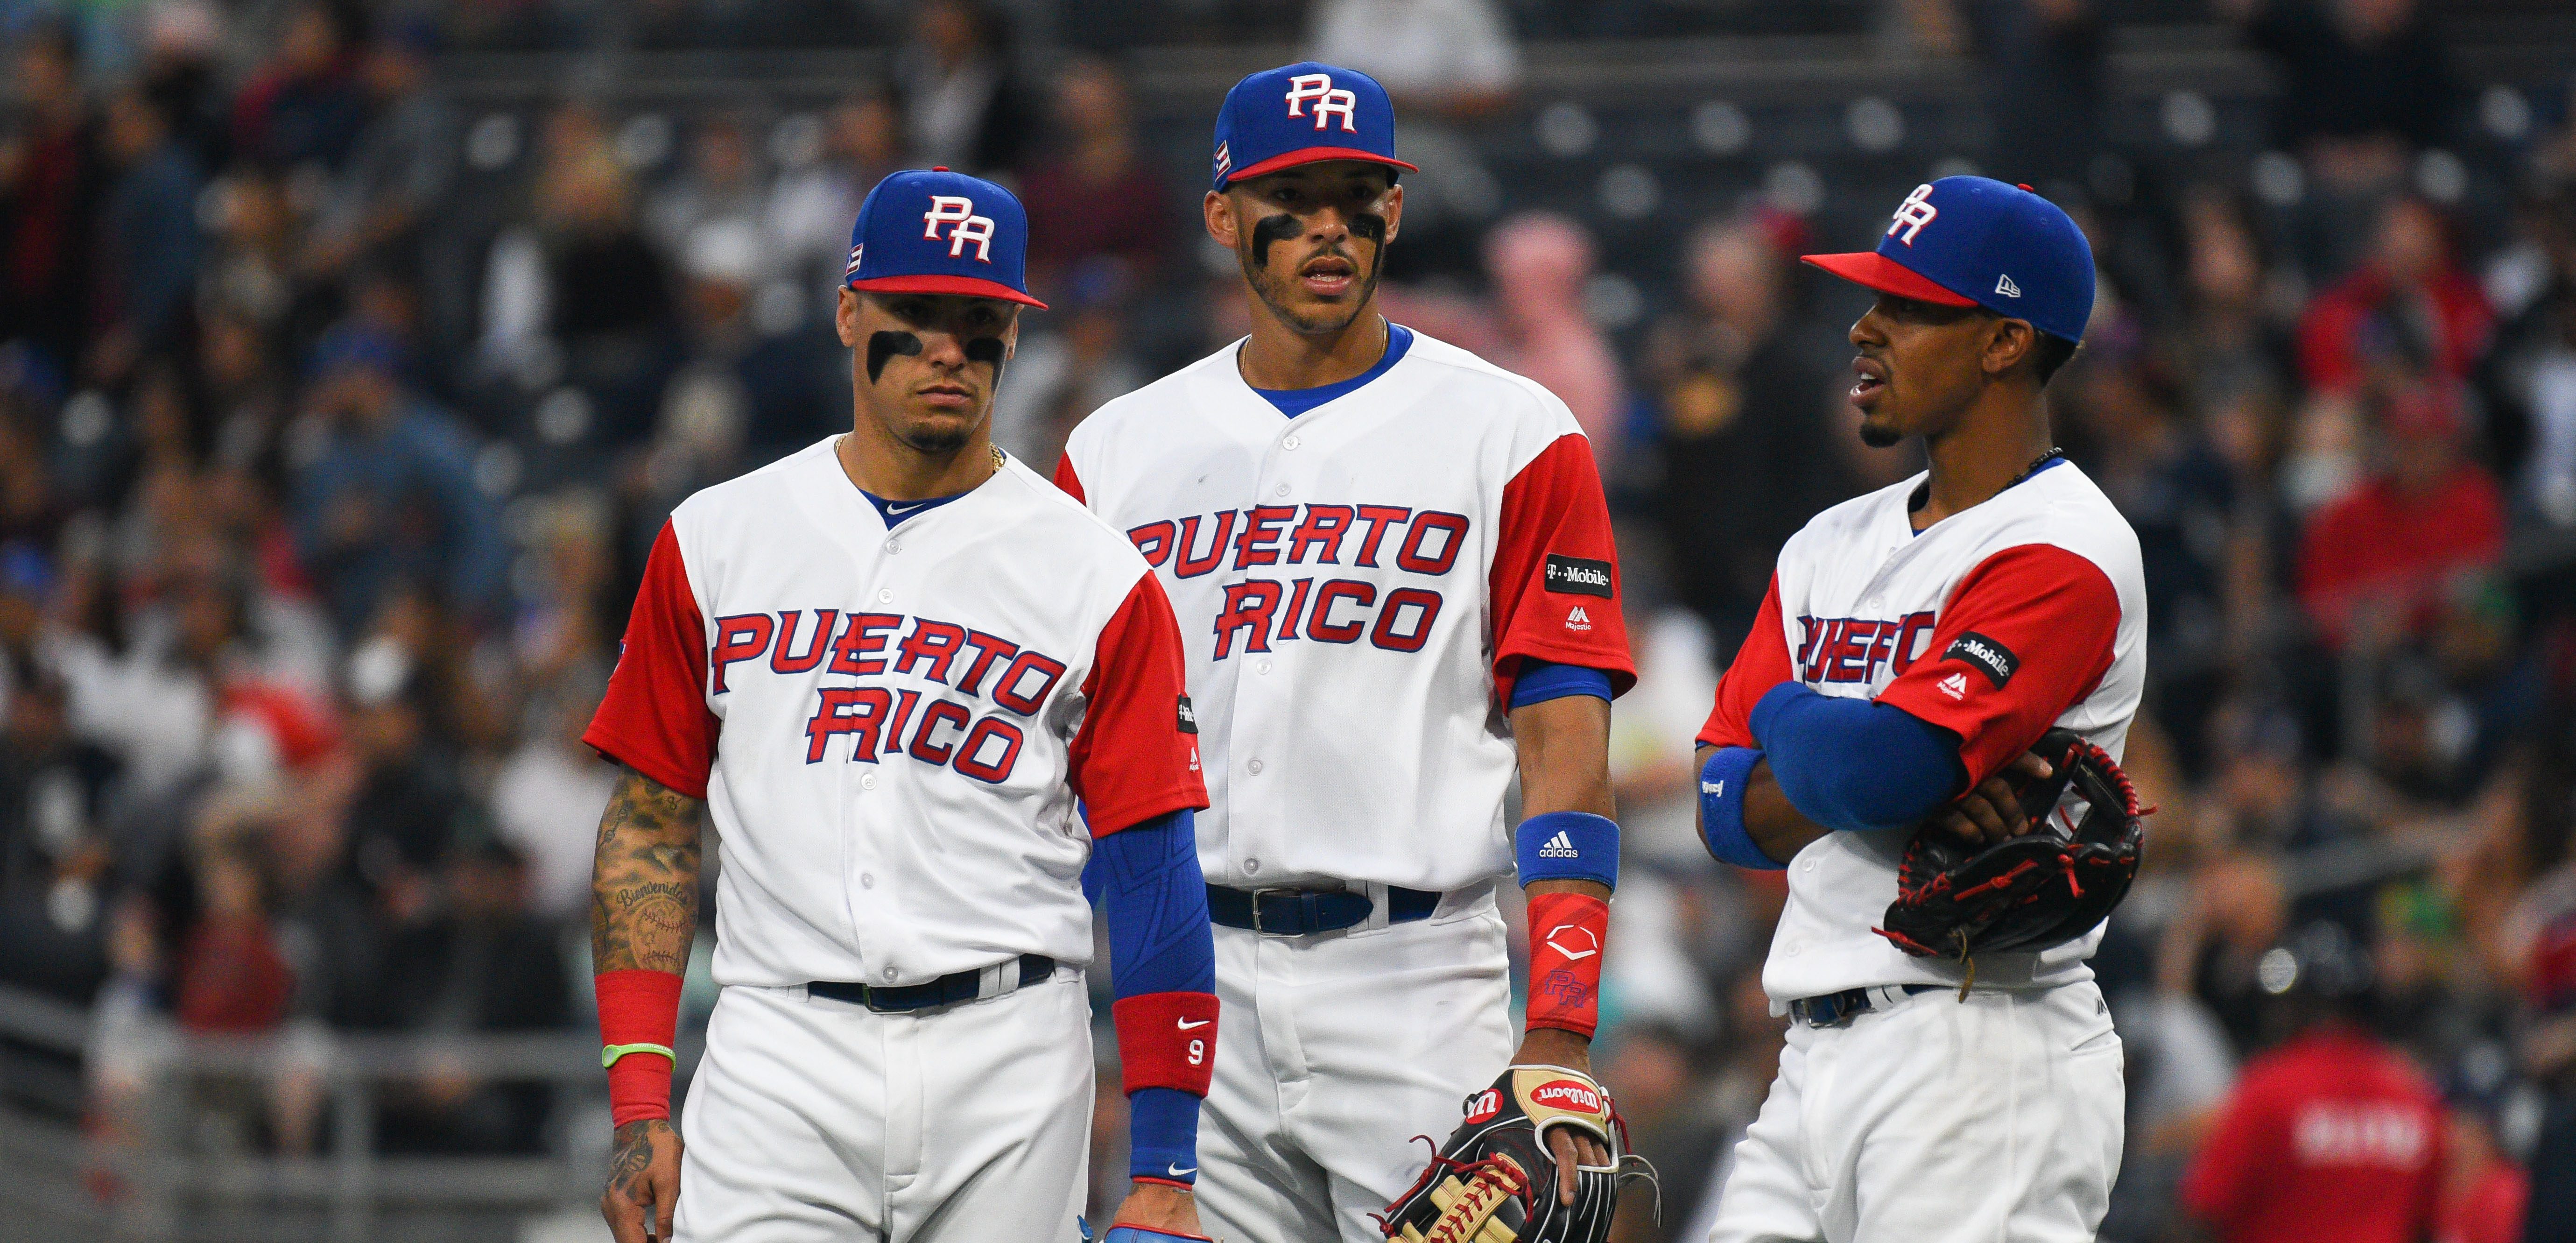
[[1333, 1052], [812, 1119], [1994, 1120]]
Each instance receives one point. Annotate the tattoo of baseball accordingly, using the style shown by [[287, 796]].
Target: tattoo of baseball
[[644, 878], [643, 1181]]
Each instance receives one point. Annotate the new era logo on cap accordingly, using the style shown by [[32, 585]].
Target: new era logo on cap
[[1303, 114], [1950, 241], [941, 232]]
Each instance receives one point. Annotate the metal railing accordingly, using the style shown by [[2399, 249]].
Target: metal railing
[[155, 1176]]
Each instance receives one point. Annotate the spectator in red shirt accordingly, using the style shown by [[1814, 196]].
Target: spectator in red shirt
[[1099, 196], [2376, 561], [2408, 305], [2332, 1137]]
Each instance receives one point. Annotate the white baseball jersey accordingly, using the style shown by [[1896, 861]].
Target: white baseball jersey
[[890, 728], [1356, 588], [2025, 612]]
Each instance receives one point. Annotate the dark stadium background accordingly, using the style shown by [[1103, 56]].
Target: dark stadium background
[[351, 354]]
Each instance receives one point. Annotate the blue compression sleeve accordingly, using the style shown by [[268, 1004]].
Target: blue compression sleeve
[[1157, 908], [1721, 809], [1162, 1134], [1854, 764], [1543, 680]]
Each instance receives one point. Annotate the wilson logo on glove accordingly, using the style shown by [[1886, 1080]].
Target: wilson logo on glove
[[1567, 1094], [1483, 1106]]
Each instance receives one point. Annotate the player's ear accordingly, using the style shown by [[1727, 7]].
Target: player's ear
[[2008, 342], [845, 317], [1394, 209], [1222, 224]]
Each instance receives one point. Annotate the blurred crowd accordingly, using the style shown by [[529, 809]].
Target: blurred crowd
[[336, 420]]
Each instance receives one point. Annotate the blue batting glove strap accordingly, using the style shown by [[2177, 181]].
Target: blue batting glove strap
[[1162, 1135], [1144, 1234], [1568, 845], [1721, 808]]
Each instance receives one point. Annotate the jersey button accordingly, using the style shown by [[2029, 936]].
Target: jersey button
[[867, 880], [1808, 866], [868, 781], [1290, 443], [1794, 947], [1282, 489], [1253, 766], [885, 595], [1251, 865], [894, 546], [1262, 667], [889, 972]]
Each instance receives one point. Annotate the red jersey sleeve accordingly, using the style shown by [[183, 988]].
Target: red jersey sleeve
[[1067, 480], [1137, 754], [2236, 1161], [1555, 584], [1760, 664], [2026, 635], [654, 718]]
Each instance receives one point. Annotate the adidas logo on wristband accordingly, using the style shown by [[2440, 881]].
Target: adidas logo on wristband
[[1559, 847]]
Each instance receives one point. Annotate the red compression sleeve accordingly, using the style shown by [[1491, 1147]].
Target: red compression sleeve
[[1166, 1040], [1567, 933], [637, 1006]]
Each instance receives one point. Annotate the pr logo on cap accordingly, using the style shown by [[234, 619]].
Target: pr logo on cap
[[958, 212], [1318, 89], [1914, 213]]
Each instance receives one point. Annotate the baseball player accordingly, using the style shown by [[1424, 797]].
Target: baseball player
[[1393, 572], [1914, 645], [888, 668]]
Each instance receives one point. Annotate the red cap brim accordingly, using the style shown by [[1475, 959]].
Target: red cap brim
[[1316, 155], [972, 287], [1886, 275]]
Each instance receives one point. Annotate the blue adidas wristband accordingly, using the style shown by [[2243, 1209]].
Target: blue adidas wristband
[[1568, 845], [1721, 809]]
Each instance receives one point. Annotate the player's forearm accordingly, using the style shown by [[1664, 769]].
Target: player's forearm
[[644, 878], [1568, 860]]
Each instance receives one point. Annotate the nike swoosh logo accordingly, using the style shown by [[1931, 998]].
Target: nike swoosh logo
[[1181, 1171], [1187, 1025], [900, 510]]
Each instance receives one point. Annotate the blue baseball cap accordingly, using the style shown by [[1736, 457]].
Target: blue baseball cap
[[1303, 113], [941, 232], [1975, 241]]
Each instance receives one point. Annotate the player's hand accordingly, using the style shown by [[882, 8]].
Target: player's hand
[[1157, 1206], [1549, 1046], [643, 1181], [1992, 812]]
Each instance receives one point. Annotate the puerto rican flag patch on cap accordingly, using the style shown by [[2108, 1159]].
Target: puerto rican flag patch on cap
[[853, 269]]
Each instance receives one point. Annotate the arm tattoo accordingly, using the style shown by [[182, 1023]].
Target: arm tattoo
[[644, 881]]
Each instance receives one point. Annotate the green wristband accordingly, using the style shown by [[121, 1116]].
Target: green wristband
[[608, 1056]]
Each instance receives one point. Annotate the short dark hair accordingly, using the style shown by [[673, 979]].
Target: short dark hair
[[2050, 353]]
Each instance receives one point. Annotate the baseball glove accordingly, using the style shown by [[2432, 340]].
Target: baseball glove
[[1495, 1181], [2046, 887]]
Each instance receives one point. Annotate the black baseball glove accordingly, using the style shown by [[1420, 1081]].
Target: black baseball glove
[[1495, 1180], [2051, 885]]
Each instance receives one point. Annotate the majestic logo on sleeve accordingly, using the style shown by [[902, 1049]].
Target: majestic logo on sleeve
[[1578, 576], [958, 213], [1985, 655], [1317, 89], [1914, 213]]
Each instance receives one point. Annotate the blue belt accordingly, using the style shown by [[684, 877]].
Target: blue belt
[[1836, 1009], [949, 989], [1304, 912]]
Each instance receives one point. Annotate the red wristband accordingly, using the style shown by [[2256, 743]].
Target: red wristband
[[1167, 1040], [1567, 931], [637, 1006]]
